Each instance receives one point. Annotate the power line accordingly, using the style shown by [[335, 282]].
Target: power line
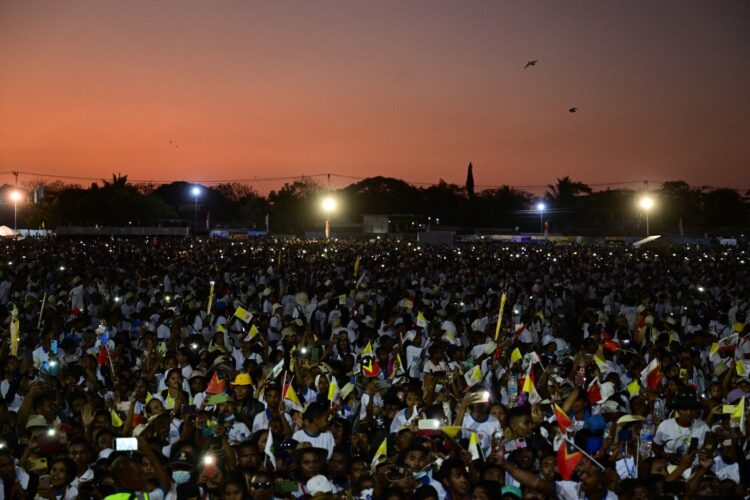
[[642, 182]]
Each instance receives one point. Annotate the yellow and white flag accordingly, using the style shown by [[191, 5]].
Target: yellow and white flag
[[738, 417], [530, 389], [333, 389], [473, 376], [500, 316], [421, 320], [14, 335], [380, 455], [291, 396], [474, 449], [252, 333], [356, 266], [243, 314]]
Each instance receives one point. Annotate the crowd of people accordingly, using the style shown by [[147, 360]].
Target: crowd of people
[[219, 368]]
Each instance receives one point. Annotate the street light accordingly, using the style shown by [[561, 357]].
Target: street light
[[196, 193], [541, 206], [16, 197], [647, 203], [329, 206]]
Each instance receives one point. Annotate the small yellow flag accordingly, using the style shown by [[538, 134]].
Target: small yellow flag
[[291, 395], [634, 388], [515, 356], [252, 333], [473, 376], [381, 454], [221, 328], [421, 320], [474, 447], [116, 420], [149, 397], [740, 367], [333, 388], [356, 267], [243, 314], [600, 362]]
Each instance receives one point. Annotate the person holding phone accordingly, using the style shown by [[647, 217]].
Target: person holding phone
[[56, 485]]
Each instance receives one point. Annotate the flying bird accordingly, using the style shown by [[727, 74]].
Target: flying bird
[[573, 110], [531, 63]]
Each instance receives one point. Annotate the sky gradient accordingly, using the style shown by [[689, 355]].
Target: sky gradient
[[414, 90]]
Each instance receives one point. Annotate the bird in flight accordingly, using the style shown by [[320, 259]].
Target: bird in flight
[[573, 110], [530, 63]]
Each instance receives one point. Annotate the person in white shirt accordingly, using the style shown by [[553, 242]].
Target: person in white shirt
[[478, 420], [314, 425], [674, 436]]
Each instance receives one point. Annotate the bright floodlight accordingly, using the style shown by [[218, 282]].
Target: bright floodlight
[[646, 203], [196, 190], [329, 204], [16, 196], [540, 206]]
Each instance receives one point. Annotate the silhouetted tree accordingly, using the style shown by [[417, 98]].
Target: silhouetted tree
[[470, 182]]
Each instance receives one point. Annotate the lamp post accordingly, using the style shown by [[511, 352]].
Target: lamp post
[[647, 203], [196, 193], [329, 205], [16, 197], [541, 206]]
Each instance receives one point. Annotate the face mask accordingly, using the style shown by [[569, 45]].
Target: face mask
[[181, 476]]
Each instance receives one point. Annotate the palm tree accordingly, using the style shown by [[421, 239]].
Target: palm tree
[[564, 193]]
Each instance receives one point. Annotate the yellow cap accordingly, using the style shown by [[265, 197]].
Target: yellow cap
[[242, 379]]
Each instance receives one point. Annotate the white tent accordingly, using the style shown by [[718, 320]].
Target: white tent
[[6, 231]]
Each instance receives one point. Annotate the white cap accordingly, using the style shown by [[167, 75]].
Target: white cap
[[318, 484]]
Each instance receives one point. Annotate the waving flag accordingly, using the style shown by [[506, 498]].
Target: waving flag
[[515, 356], [651, 376], [268, 450], [474, 448], [381, 454], [243, 314], [216, 385], [473, 376], [562, 419], [530, 388], [566, 461]]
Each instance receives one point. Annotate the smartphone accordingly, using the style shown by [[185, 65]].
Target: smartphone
[[126, 444], [428, 424], [53, 346], [483, 397], [514, 444], [44, 482], [693, 444], [315, 354], [209, 466], [287, 486]]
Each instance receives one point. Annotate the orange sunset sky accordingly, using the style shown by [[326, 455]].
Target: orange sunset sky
[[413, 89]]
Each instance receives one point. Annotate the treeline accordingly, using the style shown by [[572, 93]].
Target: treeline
[[569, 207]]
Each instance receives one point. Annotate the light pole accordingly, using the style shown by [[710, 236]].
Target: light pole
[[196, 193], [329, 205], [540, 206], [647, 203], [16, 197]]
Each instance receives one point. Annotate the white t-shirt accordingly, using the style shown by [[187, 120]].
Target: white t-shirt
[[676, 439], [322, 440], [484, 429], [572, 490], [724, 470]]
